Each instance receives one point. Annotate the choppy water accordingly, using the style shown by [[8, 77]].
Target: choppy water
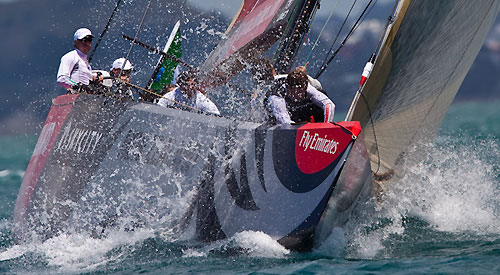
[[443, 217]]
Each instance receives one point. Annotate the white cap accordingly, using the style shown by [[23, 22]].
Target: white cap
[[117, 64], [81, 33]]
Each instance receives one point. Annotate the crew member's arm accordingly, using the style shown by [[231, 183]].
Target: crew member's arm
[[279, 110], [64, 72], [167, 99], [314, 82], [207, 105], [322, 101]]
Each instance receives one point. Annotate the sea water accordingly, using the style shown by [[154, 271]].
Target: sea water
[[442, 217]]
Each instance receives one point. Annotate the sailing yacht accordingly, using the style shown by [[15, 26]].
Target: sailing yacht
[[212, 177]]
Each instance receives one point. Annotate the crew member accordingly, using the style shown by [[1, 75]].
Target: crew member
[[121, 70], [297, 101], [265, 74], [187, 95], [75, 69]]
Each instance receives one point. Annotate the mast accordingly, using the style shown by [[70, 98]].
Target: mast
[[297, 26]]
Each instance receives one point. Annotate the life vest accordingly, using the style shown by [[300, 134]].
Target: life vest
[[300, 110]]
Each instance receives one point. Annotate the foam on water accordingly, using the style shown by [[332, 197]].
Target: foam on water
[[259, 244], [78, 252], [452, 187], [9, 173], [251, 243]]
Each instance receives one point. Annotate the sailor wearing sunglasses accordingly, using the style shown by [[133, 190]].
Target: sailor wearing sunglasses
[[75, 68]]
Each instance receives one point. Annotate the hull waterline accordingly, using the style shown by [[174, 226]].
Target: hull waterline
[[104, 163]]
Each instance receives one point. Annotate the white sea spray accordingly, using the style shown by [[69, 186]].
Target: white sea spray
[[452, 186]]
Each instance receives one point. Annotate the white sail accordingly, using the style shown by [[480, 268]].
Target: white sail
[[426, 54]]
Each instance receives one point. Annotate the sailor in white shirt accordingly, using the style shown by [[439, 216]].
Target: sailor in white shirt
[[187, 96], [74, 68]]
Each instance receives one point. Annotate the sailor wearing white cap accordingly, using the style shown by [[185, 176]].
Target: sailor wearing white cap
[[75, 68], [123, 65], [122, 69]]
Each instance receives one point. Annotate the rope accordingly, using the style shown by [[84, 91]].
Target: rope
[[287, 28], [322, 30], [355, 26], [390, 19], [309, 23], [337, 36], [105, 30], [371, 8], [373, 128], [135, 37], [154, 93]]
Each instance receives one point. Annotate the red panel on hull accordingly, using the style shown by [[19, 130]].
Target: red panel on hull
[[318, 144], [55, 120]]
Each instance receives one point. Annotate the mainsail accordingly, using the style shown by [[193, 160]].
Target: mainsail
[[426, 54]]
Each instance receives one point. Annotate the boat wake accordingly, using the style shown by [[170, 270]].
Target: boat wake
[[11, 173], [77, 253], [250, 243], [449, 194], [74, 253], [157, 236]]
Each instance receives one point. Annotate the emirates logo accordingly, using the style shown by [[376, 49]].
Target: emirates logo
[[317, 143]]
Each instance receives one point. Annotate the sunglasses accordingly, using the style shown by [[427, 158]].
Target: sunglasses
[[126, 72], [86, 39]]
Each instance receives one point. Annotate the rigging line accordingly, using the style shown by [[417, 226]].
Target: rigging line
[[356, 24], [151, 92], [135, 37], [322, 30], [337, 36], [309, 24], [287, 28], [373, 128], [104, 31], [389, 21]]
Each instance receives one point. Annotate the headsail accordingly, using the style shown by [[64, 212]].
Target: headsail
[[256, 27], [426, 55]]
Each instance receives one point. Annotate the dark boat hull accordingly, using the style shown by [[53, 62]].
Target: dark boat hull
[[101, 162]]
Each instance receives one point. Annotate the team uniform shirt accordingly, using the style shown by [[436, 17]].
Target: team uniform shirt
[[198, 101], [74, 69], [285, 109]]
